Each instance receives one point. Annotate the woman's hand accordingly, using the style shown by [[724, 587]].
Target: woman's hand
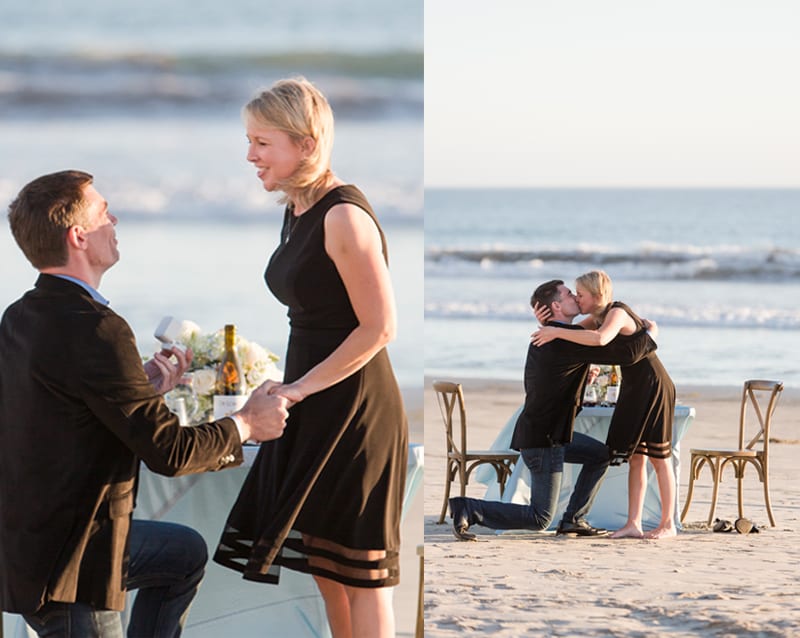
[[544, 335], [543, 313], [288, 391]]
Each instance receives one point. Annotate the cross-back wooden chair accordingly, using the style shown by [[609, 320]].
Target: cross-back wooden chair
[[759, 399], [460, 459]]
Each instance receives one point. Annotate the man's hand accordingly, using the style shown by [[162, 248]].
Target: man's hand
[[264, 415], [163, 373], [651, 327], [288, 390]]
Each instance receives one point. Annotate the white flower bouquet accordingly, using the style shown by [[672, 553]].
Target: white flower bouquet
[[258, 365]]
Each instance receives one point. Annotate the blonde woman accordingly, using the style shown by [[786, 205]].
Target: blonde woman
[[641, 426], [326, 498]]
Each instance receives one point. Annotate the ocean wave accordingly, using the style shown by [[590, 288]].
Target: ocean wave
[[225, 200], [701, 316], [376, 84], [648, 261]]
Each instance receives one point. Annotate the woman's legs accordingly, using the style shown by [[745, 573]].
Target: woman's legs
[[337, 607], [357, 611], [637, 486], [371, 612], [666, 490]]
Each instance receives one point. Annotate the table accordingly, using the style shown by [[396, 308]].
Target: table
[[226, 604], [610, 509]]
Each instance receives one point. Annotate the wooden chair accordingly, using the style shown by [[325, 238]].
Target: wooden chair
[[759, 398], [460, 459]]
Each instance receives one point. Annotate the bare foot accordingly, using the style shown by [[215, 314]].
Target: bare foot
[[629, 531], [662, 532]]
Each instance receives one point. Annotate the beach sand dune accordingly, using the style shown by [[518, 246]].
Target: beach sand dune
[[700, 583]]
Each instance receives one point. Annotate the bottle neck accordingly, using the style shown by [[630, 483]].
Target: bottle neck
[[230, 336]]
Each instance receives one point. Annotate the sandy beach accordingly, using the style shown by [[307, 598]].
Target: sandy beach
[[699, 583]]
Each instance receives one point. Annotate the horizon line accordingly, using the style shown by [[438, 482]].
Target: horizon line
[[607, 187]]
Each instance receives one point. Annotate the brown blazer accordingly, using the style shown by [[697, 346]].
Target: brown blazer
[[555, 374], [77, 414]]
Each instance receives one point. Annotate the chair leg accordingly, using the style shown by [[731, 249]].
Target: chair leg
[[462, 477], [690, 491], [448, 479], [500, 470], [717, 472], [739, 487], [766, 498]]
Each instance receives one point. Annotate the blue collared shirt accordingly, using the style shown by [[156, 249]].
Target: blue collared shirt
[[95, 295]]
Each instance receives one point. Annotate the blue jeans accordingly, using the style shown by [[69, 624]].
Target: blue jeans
[[167, 563], [547, 467]]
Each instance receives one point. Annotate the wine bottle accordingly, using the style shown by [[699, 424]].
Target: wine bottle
[[612, 391], [229, 373], [230, 387]]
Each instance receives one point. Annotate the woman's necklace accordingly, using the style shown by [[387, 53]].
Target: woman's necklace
[[289, 228], [294, 217], [291, 223]]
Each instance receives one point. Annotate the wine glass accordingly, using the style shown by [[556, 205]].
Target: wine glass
[[590, 395], [182, 400]]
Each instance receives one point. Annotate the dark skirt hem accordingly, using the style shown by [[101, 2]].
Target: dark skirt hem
[[238, 556]]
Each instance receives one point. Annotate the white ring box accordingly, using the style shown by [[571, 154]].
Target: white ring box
[[168, 330]]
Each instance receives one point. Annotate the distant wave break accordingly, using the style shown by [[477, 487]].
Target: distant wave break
[[357, 84], [770, 263], [702, 316]]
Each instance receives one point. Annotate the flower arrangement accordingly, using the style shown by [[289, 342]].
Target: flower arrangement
[[258, 365]]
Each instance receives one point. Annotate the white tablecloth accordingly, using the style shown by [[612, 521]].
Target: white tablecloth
[[227, 605], [610, 508]]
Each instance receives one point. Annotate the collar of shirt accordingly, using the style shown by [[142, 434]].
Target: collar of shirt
[[95, 295]]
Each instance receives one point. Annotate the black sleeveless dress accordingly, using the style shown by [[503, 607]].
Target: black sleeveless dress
[[332, 486], [642, 420]]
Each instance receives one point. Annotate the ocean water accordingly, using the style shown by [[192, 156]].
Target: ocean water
[[147, 96], [719, 270]]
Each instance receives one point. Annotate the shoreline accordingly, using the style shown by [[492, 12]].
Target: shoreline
[[699, 583]]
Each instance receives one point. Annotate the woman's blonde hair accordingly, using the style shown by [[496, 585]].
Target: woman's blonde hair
[[598, 284], [296, 107]]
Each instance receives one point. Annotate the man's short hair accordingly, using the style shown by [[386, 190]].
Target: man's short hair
[[547, 293], [44, 211]]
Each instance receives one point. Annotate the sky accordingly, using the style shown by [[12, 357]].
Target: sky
[[560, 93]]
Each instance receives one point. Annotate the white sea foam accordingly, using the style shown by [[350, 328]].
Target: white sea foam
[[649, 260], [711, 316]]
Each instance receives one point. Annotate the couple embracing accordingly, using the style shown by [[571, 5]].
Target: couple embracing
[[555, 373]]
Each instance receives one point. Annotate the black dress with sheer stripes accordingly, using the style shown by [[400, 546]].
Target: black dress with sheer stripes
[[643, 416], [326, 497]]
